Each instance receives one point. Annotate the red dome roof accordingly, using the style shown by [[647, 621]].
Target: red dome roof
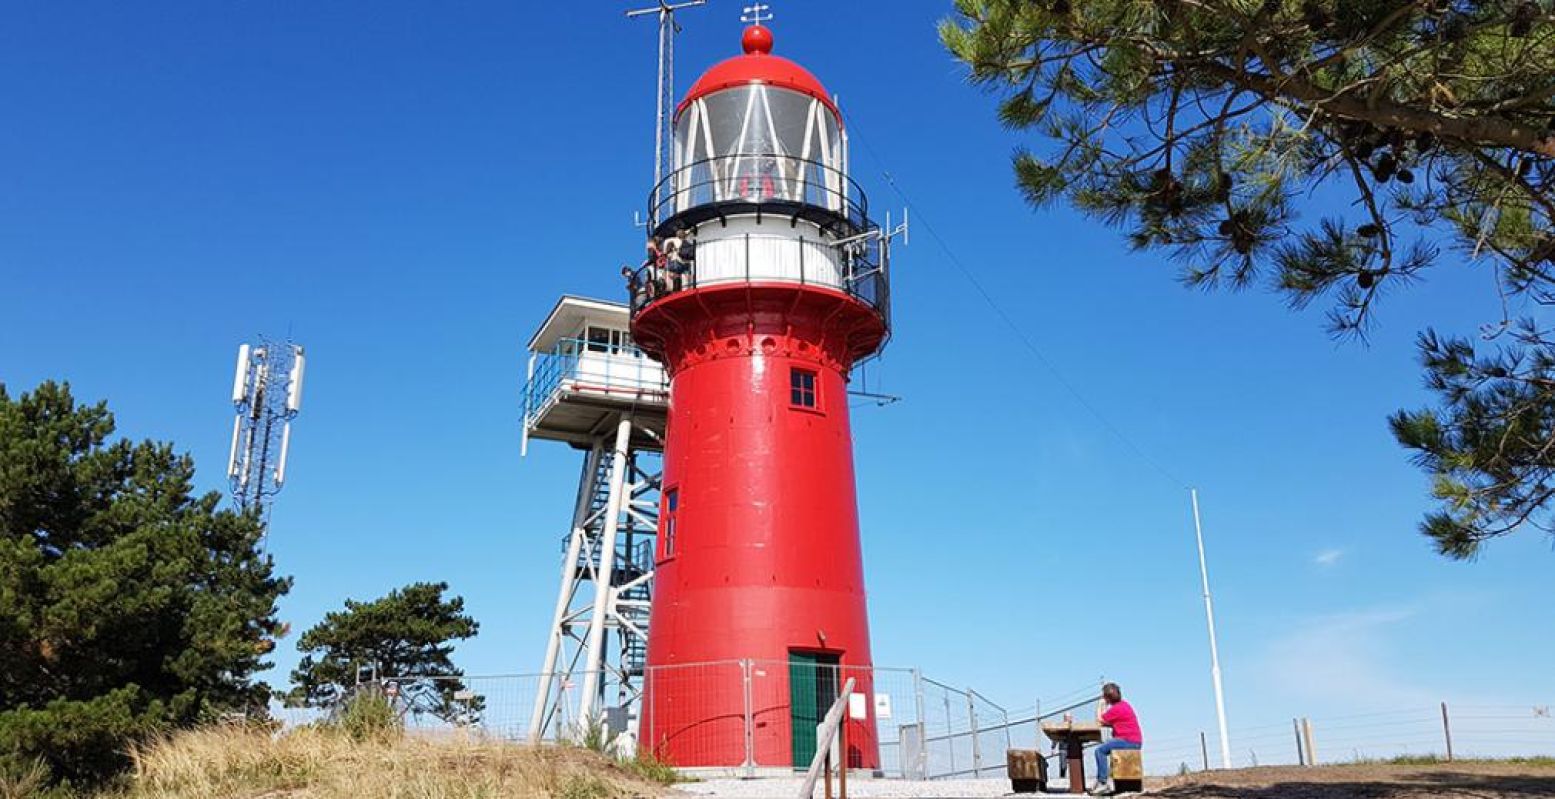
[[758, 65]]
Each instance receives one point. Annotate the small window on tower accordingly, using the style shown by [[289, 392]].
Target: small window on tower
[[671, 511], [801, 388]]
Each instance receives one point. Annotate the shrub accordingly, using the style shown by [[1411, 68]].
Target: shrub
[[369, 716]]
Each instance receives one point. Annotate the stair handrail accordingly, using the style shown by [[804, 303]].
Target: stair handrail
[[830, 727]]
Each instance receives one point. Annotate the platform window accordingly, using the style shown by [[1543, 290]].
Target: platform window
[[609, 340], [671, 511], [598, 338], [801, 389], [621, 343]]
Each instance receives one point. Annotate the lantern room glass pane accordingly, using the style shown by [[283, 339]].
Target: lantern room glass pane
[[758, 143], [758, 120]]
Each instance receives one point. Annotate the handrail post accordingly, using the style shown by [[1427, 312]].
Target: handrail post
[[823, 741], [842, 754]]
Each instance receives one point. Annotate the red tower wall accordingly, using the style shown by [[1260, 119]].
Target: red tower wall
[[764, 559]]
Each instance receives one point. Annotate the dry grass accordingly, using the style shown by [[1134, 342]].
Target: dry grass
[[313, 763]]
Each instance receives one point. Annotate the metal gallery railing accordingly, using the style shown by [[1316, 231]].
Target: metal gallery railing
[[759, 180], [858, 267]]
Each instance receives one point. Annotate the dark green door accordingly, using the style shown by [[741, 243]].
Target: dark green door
[[812, 688]]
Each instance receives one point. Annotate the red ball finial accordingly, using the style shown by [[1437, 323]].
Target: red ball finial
[[757, 39]]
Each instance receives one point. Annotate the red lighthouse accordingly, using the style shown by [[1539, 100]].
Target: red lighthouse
[[773, 287]]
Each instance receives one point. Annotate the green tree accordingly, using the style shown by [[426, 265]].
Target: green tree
[[128, 605], [1402, 127], [406, 636]]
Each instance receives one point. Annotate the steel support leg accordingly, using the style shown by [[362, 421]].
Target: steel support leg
[[569, 586], [594, 651]]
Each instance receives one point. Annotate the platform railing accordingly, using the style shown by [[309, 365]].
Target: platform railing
[[860, 268], [579, 364], [760, 182]]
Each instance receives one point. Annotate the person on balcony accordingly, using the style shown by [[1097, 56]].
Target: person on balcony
[[653, 265], [688, 248], [634, 287], [1119, 715], [680, 252], [670, 249]]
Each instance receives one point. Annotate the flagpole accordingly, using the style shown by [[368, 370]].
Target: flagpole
[[1214, 650]]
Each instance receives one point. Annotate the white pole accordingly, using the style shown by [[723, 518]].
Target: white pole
[[1214, 650], [553, 644]]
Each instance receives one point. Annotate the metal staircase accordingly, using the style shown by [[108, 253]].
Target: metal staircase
[[599, 645]]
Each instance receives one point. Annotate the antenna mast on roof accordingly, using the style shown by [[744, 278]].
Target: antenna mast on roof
[[663, 137]]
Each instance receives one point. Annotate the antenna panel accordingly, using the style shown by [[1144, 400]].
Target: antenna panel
[[232, 458], [286, 445], [294, 390], [240, 380]]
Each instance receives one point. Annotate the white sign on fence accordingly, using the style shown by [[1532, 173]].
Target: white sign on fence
[[882, 706], [858, 706]]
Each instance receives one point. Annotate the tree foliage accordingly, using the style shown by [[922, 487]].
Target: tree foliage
[[128, 605], [1404, 128], [405, 635]]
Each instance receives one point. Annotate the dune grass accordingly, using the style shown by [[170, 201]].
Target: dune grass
[[316, 763]]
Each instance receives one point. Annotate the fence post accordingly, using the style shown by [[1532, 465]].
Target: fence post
[[1306, 728], [950, 736], [1301, 758], [1447, 732], [1204, 748], [977, 749], [750, 729], [923, 725]]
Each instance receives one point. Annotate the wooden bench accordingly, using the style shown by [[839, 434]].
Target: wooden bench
[[1127, 767]]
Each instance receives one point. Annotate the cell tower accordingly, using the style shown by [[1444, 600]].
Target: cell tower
[[267, 394]]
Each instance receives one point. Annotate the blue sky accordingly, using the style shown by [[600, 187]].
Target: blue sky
[[406, 188]]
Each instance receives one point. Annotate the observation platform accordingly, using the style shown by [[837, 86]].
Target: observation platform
[[585, 372]]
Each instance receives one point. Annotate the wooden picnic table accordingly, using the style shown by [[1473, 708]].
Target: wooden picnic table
[[1073, 736]]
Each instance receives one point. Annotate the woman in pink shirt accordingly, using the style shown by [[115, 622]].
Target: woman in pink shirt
[[1119, 715]]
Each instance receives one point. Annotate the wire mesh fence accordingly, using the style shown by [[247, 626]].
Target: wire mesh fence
[[735, 716], [750, 716], [1428, 732]]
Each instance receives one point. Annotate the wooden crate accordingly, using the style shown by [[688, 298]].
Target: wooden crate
[[1027, 770]]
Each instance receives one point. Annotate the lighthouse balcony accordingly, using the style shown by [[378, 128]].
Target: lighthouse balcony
[[760, 184], [752, 251]]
